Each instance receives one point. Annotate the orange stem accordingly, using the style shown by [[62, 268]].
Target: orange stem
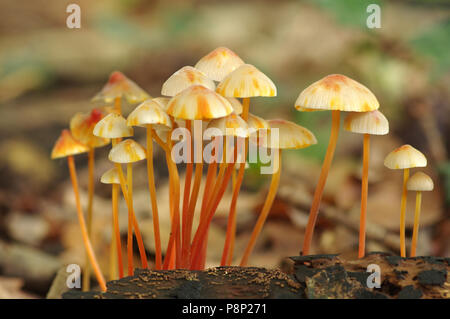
[[313, 213], [187, 180], [152, 190], [87, 269], [115, 209], [364, 192], [416, 224], [403, 214], [265, 210], [84, 233]]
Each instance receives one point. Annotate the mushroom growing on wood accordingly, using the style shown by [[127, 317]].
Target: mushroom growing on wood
[[290, 136], [112, 177], [82, 127], [67, 146], [195, 103], [367, 123], [419, 182], [150, 115], [335, 93], [404, 157], [128, 152]]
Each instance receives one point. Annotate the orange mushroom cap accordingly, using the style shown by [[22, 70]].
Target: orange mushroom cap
[[111, 176], [119, 86], [184, 78], [337, 92], [405, 156], [149, 112], [82, 128], [198, 103], [127, 151], [219, 63], [257, 123], [67, 145], [113, 126], [230, 125], [246, 81], [374, 123]]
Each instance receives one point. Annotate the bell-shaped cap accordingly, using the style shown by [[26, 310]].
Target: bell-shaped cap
[[111, 176], [127, 151], [67, 145], [236, 104], [119, 86], [162, 101], [420, 182], [82, 128], [405, 156], [337, 92], [246, 81], [231, 125], [374, 123], [113, 126], [256, 123], [219, 63], [184, 78], [149, 112], [290, 136], [198, 103]]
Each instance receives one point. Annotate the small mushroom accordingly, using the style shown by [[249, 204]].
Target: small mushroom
[[290, 136], [335, 93], [82, 127], [230, 126], [128, 152], [219, 63], [195, 103], [67, 146], [419, 182], [119, 86], [150, 115], [112, 177], [367, 123], [404, 157], [184, 78]]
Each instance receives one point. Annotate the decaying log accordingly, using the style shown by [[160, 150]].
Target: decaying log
[[315, 276]]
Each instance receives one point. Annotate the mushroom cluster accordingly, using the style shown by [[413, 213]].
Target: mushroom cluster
[[200, 104]]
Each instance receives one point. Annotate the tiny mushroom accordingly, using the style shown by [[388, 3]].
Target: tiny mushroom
[[336, 93], [128, 152], [111, 176], [404, 157], [184, 78], [367, 123], [419, 182], [150, 115], [219, 63], [67, 146]]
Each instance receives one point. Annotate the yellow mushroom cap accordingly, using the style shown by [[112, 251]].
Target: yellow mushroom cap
[[111, 176], [231, 125], [405, 156], [162, 101], [257, 123], [246, 81], [198, 103], [113, 126], [219, 63], [420, 182], [184, 78], [373, 122], [120, 86], [67, 145], [290, 136], [149, 112], [82, 128], [337, 92], [127, 151]]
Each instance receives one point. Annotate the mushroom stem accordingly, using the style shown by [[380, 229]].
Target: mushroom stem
[[152, 190], [123, 185], [364, 191], [416, 224], [116, 237], [403, 214], [245, 108], [117, 105], [91, 161], [187, 179], [314, 211], [265, 210], [191, 209], [227, 254], [130, 220], [84, 233]]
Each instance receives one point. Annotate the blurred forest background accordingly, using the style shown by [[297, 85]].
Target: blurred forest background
[[49, 72]]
